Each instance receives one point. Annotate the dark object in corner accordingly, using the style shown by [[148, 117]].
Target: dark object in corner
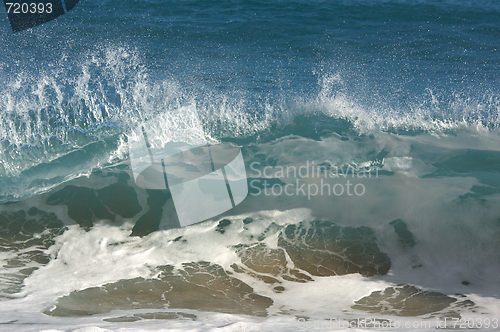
[[23, 18]]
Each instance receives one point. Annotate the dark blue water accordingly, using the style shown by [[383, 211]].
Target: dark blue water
[[392, 50]]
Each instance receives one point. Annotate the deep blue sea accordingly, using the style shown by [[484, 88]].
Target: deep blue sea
[[367, 134]]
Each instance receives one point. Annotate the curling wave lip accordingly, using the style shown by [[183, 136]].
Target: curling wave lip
[[204, 180]]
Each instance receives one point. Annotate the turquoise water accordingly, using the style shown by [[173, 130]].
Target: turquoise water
[[396, 103]]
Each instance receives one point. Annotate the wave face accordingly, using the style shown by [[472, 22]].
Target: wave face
[[369, 132]]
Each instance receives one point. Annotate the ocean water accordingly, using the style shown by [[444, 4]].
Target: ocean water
[[369, 131]]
